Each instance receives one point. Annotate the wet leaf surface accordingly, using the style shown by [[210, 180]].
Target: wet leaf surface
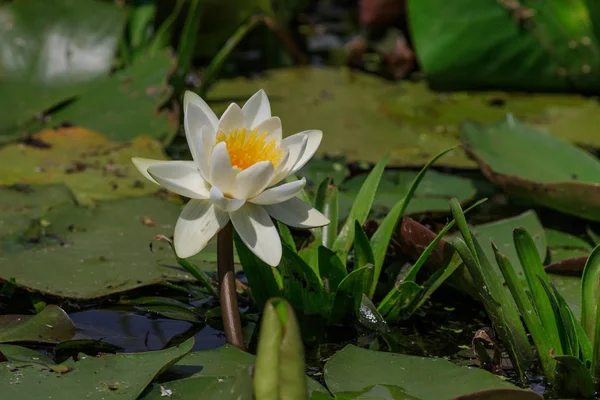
[[91, 165], [546, 46], [106, 377], [569, 183], [86, 253], [126, 105], [353, 369], [51, 325], [50, 52], [364, 117]]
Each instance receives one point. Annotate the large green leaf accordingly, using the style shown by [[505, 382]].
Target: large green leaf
[[87, 253], [126, 104], [20, 205], [49, 51], [537, 166], [209, 368], [546, 45], [364, 117], [354, 369], [91, 165], [109, 376], [432, 194], [51, 325]]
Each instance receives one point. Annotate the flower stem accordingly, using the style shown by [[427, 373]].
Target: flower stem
[[229, 306]]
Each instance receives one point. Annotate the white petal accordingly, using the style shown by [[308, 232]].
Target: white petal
[[221, 172], [295, 145], [257, 231], [272, 127], [204, 147], [198, 223], [231, 119], [314, 140], [297, 213], [142, 164], [256, 109], [181, 177], [196, 113], [224, 203], [280, 193], [253, 180]]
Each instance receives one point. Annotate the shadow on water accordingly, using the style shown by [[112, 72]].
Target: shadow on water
[[133, 332]]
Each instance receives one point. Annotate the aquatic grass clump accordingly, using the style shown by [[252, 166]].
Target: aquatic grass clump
[[568, 349]]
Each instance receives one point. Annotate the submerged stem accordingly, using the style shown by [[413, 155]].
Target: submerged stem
[[229, 306]]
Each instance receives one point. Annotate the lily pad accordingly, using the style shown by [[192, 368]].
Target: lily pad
[[364, 117], [537, 166], [106, 377], [93, 252], [354, 369], [22, 354], [432, 195], [212, 370], [563, 246], [91, 165], [126, 104], [50, 50], [51, 325], [539, 46], [20, 205]]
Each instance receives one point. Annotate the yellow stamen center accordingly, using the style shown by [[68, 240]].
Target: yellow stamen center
[[247, 148]]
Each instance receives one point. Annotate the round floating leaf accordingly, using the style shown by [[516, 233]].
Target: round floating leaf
[[126, 104], [547, 45], [22, 205], [49, 51], [51, 325], [91, 165], [110, 376], [23, 354], [364, 117], [537, 166], [93, 252], [354, 369], [564, 246], [432, 195]]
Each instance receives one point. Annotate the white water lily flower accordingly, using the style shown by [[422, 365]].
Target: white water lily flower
[[239, 161]]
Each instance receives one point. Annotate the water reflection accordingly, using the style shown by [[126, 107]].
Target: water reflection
[[136, 333]]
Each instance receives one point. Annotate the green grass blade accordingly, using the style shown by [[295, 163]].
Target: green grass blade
[[542, 341], [349, 294], [187, 42], [213, 69], [383, 235], [433, 283], [162, 37], [414, 270], [564, 324], [363, 254], [573, 379], [589, 293], [140, 19], [327, 201], [331, 269], [286, 235], [532, 266], [360, 210], [261, 278]]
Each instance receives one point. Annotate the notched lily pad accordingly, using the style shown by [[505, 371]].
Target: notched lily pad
[[91, 165], [354, 369], [537, 166], [111, 376], [51, 325], [87, 253]]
